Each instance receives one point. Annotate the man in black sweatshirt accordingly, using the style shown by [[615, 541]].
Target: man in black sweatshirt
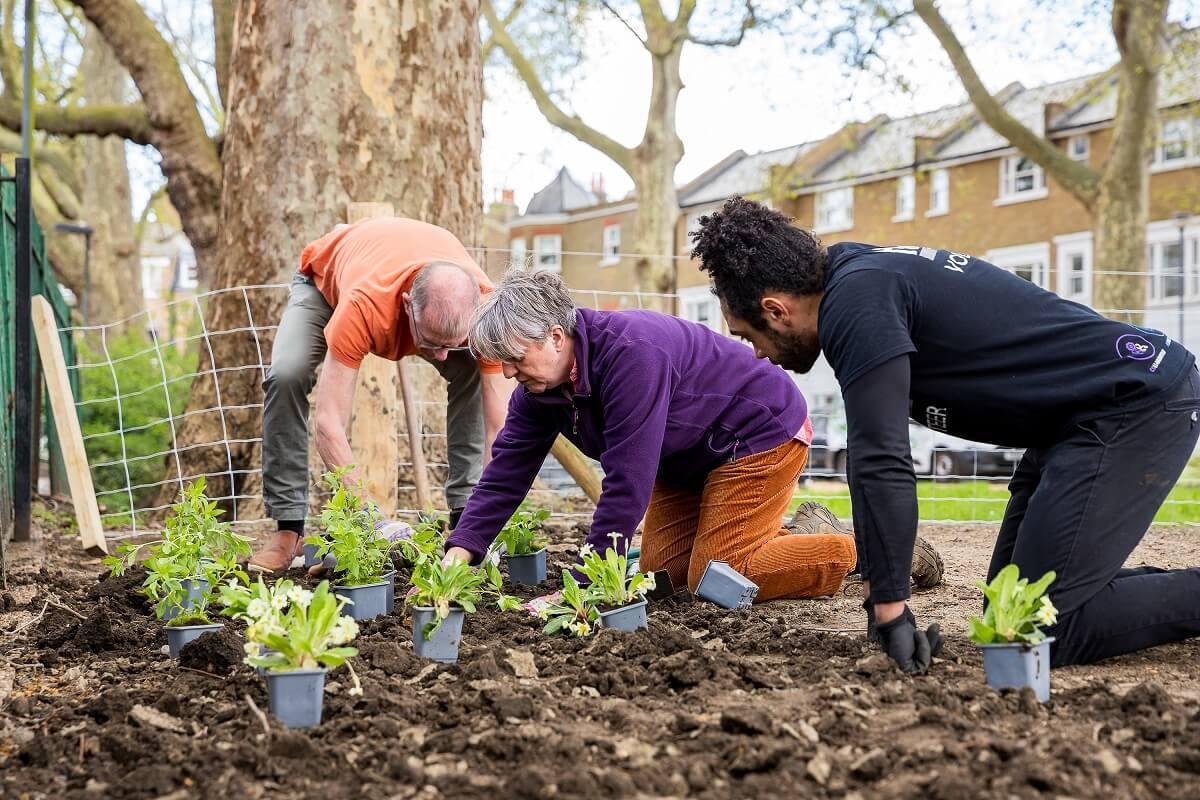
[[1107, 413]]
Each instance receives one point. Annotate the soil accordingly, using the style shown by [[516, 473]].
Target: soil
[[784, 700]]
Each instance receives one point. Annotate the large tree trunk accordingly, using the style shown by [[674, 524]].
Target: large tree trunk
[[654, 162], [1123, 200], [328, 103], [115, 285]]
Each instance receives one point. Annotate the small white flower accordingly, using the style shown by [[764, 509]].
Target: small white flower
[[299, 596], [278, 601], [257, 608], [1047, 614], [251, 648], [586, 550], [344, 630]]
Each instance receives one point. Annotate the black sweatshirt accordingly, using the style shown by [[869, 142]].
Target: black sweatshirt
[[964, 347]]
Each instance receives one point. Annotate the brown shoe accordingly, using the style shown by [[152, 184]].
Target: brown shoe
[[278, 554], [812, 517]]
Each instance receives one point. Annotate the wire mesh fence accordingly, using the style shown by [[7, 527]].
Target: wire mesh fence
[[138, 381]]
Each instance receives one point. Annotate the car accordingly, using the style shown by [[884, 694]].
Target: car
[[934, 454]]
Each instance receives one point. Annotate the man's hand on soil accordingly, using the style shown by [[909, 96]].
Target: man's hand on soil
[[910, 648]]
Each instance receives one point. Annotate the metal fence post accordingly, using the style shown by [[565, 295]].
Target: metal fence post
[[22, 359]]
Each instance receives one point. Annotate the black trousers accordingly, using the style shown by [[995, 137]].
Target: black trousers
[[1081, 505]]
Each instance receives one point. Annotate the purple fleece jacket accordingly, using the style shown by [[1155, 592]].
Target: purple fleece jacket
[[656, 398]]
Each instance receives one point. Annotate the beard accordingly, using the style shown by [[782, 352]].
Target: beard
[[796, 353]]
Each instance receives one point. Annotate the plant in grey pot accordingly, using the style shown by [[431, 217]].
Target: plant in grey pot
[[360, 549], [525, 546], [306, 635], [442, 595], [571, 612], [1016, 653], [620, 598], [196, 551]]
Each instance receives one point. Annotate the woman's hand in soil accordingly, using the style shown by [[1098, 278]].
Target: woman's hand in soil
[[456, 554], [910, 648]]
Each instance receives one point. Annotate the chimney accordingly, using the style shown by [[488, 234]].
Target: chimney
[[598, 187]]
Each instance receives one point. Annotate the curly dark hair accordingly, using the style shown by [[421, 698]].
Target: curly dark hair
[[748, 250]]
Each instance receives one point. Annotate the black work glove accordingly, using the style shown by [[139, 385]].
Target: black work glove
[[872, 634], [910, 648]]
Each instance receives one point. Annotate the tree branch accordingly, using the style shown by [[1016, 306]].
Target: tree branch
[[223, 14], [623, 21], [489, 44], [1077, 178], [572, 124], [126, 121], [750, 20]]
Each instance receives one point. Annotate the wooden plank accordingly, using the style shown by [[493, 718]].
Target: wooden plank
[[373, 431], [577, 465], [66, 420], [412, 419]]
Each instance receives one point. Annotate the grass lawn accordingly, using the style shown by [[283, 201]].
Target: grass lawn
[[983, 500]]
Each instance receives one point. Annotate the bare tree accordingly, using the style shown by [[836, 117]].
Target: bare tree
[[1116, 193], [651, 163]]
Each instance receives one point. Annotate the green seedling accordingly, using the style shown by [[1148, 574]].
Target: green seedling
[[609, 584], [522, 534], [351, 535], [457, 584], [573, 613], [1016, 609]]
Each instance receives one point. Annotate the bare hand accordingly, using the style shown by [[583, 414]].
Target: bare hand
[[456, 554]]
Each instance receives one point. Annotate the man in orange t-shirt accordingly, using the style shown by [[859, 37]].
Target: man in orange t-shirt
[[392, 287]]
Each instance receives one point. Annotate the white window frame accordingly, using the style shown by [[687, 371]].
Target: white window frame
[[610, 245], [1190, 139], [698, 304], [188, 277], [547, 244], [1035, 255], [906, 198], [834, 210], [518, 255], [1067, 248], [939, 179], [1079, 154], [1021, 180], [1159, 236]]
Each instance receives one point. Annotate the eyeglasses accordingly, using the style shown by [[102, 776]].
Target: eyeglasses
[[424, 344]]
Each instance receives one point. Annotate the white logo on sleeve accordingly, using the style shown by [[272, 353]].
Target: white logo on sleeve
[[954, 261], [935, 419]]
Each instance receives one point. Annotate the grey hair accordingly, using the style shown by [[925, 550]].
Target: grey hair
[[524, 307], [442, 306]]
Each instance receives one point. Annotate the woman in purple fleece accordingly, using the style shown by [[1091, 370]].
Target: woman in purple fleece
[[691, 430]]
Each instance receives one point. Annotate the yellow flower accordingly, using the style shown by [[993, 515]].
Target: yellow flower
[[1047, 614]]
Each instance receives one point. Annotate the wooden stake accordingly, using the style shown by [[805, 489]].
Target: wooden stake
[[577, 465], [412, 421], [66, 420]]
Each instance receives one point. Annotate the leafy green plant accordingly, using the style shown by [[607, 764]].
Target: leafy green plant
[[1015, 611], [302, 629], [351, 535], [148, 402], [573, 613], [522, 534], [195, 544], [443, 586], [428, 540], [609, 584]]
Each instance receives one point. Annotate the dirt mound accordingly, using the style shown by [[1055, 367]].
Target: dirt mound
[[218, 652]]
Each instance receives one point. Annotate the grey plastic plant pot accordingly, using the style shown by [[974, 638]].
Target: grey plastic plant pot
[[297, 696], [311, 559], [368, 601], [390, 579], [1017, 665], [529, 570], [181, 635], [631, 617], [196, 588], [443, 644], [725, 586]]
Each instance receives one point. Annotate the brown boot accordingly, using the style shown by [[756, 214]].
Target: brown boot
[[278, 554], [812, 517]]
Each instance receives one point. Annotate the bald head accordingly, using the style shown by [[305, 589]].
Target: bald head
[[444, 297]]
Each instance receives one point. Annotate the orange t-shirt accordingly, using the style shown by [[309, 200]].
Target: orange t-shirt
[[362, 269]]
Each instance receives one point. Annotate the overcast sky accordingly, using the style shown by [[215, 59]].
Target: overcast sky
[[770, 93]]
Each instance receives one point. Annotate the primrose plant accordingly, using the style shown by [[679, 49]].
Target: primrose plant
[[197, 551], [455, 587], [352, 536], [1016, 609], [522, 535], [573, 613], [610, 591], [609, 584]]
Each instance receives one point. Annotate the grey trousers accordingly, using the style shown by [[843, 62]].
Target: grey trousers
[[299, 349]]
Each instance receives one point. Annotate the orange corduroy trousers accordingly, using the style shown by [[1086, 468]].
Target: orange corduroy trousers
[[735, 517]]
